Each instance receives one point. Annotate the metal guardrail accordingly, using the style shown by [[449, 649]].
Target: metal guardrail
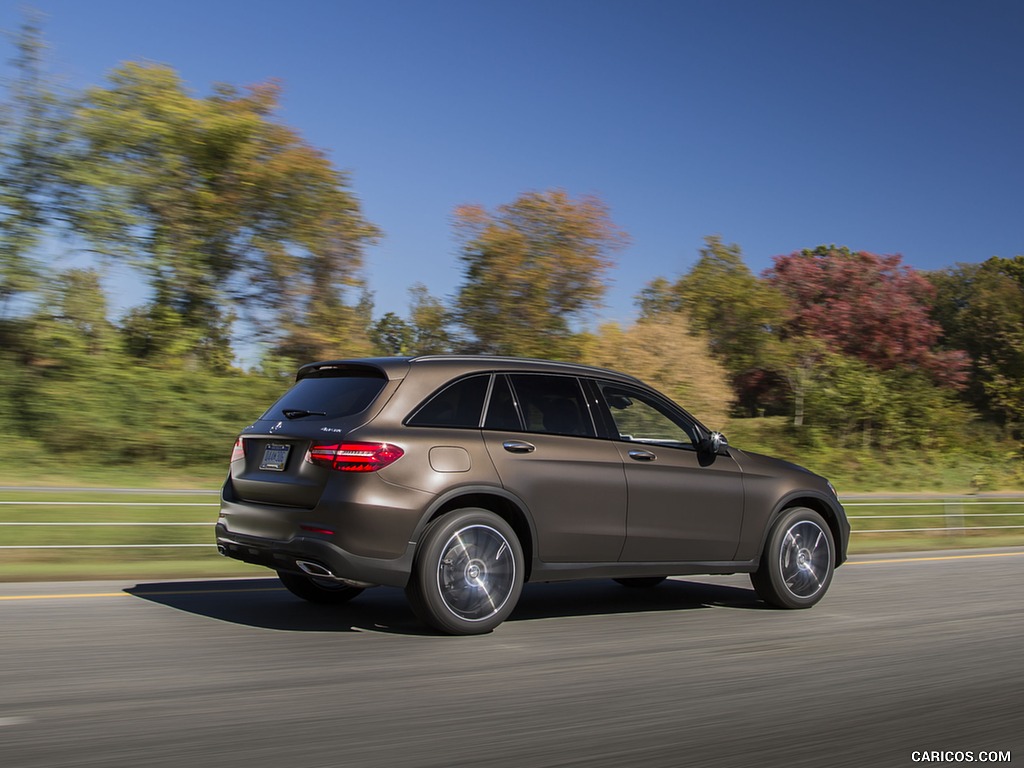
[[953, 515]]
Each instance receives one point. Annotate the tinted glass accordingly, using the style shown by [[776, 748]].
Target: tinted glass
[[457, 405], [501, 410], [327, 397], [553, 404], [642, 419]]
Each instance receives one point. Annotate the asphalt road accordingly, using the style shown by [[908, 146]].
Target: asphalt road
[[904, 654]]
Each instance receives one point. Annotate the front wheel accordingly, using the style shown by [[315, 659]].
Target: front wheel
[[468, 573], [323, 591], [798, 560]]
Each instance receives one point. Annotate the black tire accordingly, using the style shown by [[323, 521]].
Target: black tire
[[641, 582], [798, 560], [468, 573], [322, 591]]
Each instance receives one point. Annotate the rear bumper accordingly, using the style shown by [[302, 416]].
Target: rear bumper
[[281, 555]]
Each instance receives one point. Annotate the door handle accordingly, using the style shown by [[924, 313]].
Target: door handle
[[642, 456], [518, 446]]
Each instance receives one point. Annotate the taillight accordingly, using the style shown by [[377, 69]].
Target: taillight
[[238, 452], [354, 457]]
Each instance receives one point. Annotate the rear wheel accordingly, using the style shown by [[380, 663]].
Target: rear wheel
[[641, 582], [324, 591], [468, 573], [798, 560]]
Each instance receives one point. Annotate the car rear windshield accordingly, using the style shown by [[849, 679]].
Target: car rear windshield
[[323, 396]]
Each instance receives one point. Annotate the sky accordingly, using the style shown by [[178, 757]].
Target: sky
[[891, 126]]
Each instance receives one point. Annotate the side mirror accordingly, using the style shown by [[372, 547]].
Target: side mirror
[[714, 443], [708, 448]]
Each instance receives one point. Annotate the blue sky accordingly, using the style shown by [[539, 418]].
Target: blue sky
[[894, 127]]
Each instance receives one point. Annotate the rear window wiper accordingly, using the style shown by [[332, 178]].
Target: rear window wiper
[[299, 413]]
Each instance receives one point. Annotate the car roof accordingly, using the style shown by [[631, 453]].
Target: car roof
[[399, 367]]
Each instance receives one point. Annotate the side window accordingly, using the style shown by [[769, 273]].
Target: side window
[[553, 405], [457, 405], [501, 410], [640, 418]]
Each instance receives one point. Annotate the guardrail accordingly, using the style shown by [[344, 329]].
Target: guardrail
[[952, 515]]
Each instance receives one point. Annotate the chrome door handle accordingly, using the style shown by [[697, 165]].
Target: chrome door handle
[[642, 455], [518, 446]]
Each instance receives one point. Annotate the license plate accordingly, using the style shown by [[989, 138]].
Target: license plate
[[275, 456]]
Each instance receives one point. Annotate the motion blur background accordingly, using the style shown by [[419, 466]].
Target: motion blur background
[[800, 220]]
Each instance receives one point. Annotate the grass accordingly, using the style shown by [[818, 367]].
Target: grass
[[202, 561]]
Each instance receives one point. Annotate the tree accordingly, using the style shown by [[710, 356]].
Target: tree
[[981, 309], [670, 357], [865, 306], [219, 203], [33, 141], [533, 268], [429, 323], [391, 335], [725, 302]]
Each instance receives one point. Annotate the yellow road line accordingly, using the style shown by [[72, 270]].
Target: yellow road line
[[139, 594], [927, 559]]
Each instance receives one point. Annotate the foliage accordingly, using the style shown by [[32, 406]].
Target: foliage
[[532, 268], [852, 402], [865, 306], [32, 161], [724, 301], [664, 352], [981, 309], [429, 322], [216, 201]]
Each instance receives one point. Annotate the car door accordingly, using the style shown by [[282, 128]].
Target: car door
[[541, 437], [682, 506]]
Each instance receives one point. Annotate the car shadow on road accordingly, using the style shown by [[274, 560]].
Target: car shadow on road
[[263, 603]]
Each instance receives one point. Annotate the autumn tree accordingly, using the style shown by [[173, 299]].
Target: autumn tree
[[869, 307], [533, 269], [737, 312], [220, 204], [665, 352]]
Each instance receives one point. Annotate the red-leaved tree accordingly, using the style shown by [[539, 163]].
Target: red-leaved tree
[[866, 306]]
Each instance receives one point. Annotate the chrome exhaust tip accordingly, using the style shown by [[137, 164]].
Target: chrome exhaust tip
[[222, 550], [315, 569]]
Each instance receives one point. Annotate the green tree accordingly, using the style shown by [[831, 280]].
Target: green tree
[[391, 335], [429, 321], [723, 300], [533, 268], [981, 309], [219, 204], [33, 141]]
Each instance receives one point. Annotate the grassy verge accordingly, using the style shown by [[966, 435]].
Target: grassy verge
[[56, 517]]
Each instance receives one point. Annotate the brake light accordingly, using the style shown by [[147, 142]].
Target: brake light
[[238, 452], [354, 457]]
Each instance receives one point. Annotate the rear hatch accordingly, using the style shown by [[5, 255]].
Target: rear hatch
[[269, 464]]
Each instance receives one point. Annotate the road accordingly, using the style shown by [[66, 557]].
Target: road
[[906, 653]]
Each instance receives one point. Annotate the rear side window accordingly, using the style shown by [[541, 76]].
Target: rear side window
[[501, 411], [327, 397], [457, 405], [553, 404]]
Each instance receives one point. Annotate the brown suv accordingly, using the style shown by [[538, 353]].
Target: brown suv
[[461, 477]]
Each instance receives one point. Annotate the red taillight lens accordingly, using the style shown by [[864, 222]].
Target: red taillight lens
[[354, 457], [238, 452]]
